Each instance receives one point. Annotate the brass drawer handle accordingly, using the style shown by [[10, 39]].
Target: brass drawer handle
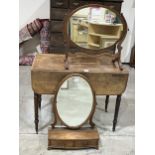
[[76, 3], [59, 3]]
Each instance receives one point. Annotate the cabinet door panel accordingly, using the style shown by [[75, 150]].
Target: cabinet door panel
[[57, 26], [57, 40]]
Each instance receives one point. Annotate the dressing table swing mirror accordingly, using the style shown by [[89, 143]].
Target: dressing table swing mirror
[[76, 78], [73, 107], [95, 29]]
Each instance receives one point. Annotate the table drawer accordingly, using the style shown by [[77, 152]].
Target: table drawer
[[57, 26], [59, 3], [58, 14], [57, 40]]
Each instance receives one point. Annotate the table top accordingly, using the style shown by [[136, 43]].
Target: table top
[[55, 63], [48, 70]]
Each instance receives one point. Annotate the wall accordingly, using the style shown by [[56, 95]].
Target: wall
[[128, 10], [28, 11], [32, 9]]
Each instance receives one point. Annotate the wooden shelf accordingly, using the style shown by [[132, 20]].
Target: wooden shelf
[[94, 44], [97, 35], [106, 24], [104, 36], [84, 25]]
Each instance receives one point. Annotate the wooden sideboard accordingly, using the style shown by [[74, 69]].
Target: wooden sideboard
[[58, 11], [48, 70]]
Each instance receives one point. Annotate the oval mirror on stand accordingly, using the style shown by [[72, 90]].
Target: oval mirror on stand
[[94, 27], [74, 101], [73, 107]]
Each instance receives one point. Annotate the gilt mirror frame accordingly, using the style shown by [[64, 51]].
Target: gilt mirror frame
[[55, 110], [68, 41]]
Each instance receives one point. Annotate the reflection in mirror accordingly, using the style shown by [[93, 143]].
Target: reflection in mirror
[[95, 28], [74, 101]]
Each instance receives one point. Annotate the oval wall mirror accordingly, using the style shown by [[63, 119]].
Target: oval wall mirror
[[75, 101], [95, 27]]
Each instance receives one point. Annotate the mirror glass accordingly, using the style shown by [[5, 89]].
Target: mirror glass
[[94, 28], [74, 101]]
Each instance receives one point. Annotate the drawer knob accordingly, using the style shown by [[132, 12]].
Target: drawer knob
[[76, 3], [59, 3]]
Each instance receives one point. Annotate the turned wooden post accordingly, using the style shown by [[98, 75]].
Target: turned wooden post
[[106, 103], [118, 101], [39, 101], [36, 104]]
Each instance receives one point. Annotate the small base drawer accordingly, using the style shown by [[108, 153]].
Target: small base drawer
[[73, 139]]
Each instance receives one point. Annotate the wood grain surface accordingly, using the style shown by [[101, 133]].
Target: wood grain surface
[[48, 70]]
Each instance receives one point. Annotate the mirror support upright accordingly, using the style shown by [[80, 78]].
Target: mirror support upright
[[117, 57]]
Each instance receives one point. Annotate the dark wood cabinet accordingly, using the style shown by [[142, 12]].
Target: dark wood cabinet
[[57, 40], [58, 14], [56, 26], [59, 9]]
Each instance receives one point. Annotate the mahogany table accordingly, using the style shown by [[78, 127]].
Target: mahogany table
[[48, 70]]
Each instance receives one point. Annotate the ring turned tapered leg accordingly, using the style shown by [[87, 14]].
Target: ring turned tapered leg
[[36, 104], [39, 101], [106, 103], [118, 101]]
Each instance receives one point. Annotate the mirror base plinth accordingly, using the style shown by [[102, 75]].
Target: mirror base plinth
[[62, 138]]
